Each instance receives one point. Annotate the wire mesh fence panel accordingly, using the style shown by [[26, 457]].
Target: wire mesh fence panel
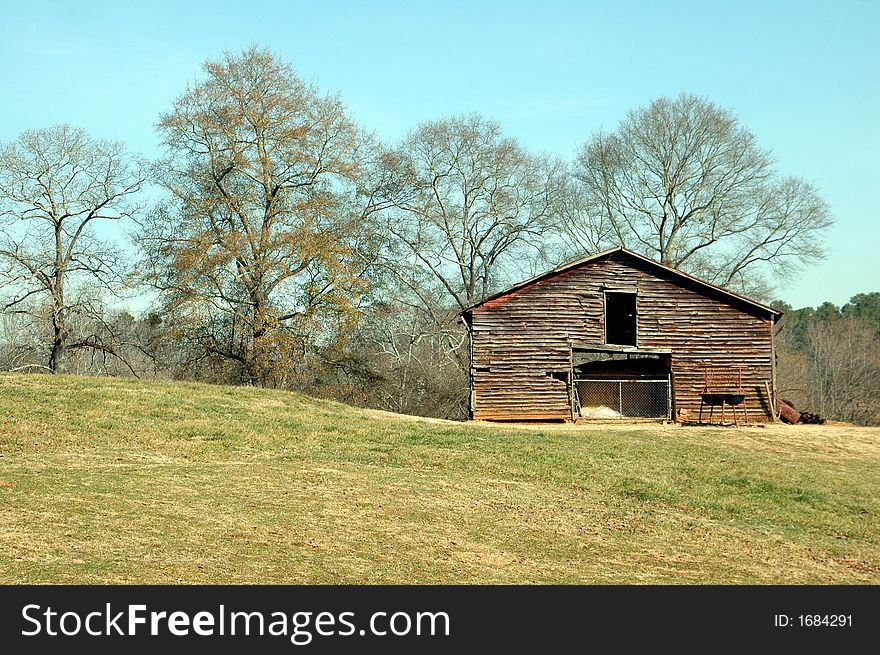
[[645, 399], [623, 398]]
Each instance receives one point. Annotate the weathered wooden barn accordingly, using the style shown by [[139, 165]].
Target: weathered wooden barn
[[617, 335]]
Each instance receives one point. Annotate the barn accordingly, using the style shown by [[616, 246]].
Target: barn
[[617, 335]]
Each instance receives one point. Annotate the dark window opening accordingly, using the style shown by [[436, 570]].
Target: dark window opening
[[562, 376], [620, 319]]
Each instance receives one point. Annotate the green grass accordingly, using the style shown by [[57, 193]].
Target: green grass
[[118, 481]]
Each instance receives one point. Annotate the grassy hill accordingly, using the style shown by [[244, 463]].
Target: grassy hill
[[109, 480]]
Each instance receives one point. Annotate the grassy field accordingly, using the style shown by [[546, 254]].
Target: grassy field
[[118, 481]]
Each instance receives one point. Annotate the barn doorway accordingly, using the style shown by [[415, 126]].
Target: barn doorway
[[620, 318], [621, 385]]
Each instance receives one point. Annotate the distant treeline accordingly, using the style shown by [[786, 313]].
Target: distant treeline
[[829, 359]]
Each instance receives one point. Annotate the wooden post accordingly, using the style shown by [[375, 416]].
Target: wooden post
[[771, 401], [472, 395]]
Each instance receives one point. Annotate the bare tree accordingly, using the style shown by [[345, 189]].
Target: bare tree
[[683, 182], [466, 207], [582, 229], [464, 210], [55, 186], [255, 242]]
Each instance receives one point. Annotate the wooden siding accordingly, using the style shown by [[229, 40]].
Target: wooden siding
[[521, 342]]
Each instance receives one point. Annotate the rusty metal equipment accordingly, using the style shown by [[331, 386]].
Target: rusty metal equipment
[[724, 387]]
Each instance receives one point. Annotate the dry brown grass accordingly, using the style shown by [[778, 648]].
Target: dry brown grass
[[121, 481]]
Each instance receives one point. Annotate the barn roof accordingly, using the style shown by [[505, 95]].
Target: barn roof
[[607, 253]]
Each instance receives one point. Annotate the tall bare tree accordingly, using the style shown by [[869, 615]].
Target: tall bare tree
[[56, 185], [255, 244], [681, 180], [464, 205], [464, 210]]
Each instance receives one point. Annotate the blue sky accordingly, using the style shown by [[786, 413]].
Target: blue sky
[[803, 76]]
